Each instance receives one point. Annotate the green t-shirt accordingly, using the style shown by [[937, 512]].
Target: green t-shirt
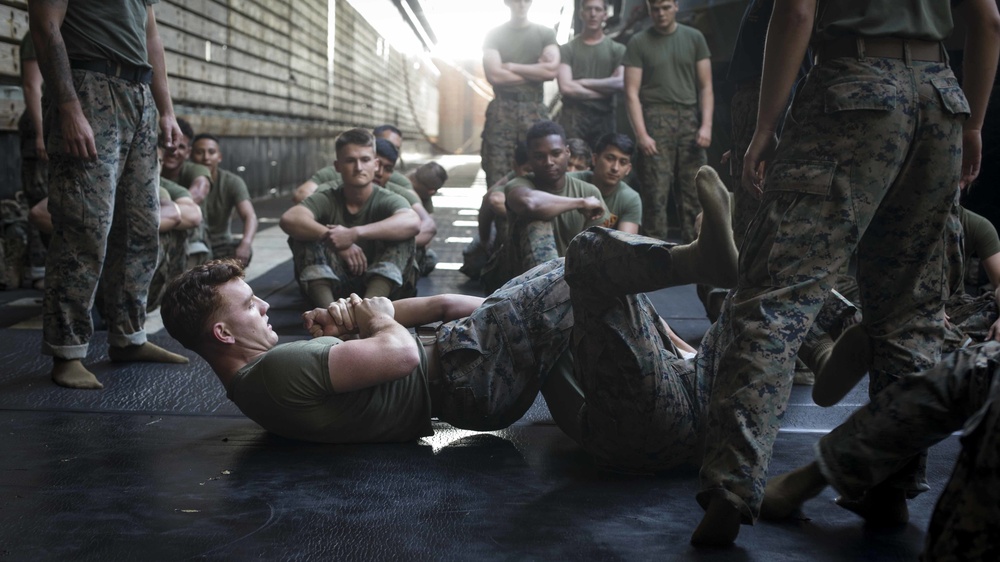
[[190, 172], [928, 20], [326, 175], [175, 191], [521, 45], [218, 207], [287, 391], [411, 196], [624, 203], [668, 62], [592, 61], [328, 206], [27, 48], [113, 30], [568, 224], [980, 235]]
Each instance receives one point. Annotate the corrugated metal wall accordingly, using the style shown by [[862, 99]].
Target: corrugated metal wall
[[271, 77]]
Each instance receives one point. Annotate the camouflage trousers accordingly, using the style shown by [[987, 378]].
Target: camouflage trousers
[[869, 160], [106, 216], [585, 123], [227, 250], [507, 123], [529, 243], [672, 171], [630, 400], [35, 183], [917, 411], [394, 261], [172, 262]]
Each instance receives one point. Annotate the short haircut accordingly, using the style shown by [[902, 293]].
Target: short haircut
[[578, 148], [359, 137], [203, 136], [580, 3], [185, 128], [542, 129], [617, 140], [377, 131], [432, 175], [521, 153], [191, 300], [386, 150]]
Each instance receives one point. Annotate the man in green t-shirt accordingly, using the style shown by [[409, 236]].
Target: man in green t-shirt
[[197, 179], [518, 57], [229, 193], [612, 372], [612, 162], [545, 210], [354, 238], [668, 95], [387, 157], [590, 74]]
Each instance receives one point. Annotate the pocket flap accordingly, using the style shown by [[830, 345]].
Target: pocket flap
[[801, 176], [952, 97]]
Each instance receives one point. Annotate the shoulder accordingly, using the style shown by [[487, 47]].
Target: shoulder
[[581, 188], [175, 190], [547, 34], [411, 196], [231, 181], [387, 200], [523, 181]]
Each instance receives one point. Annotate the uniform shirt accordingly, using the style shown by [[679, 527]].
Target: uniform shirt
[[592, 61], [113, 30], [27, 48], [624, 203], [668, 62], [326, 175], [174, 190], [568, 224], [522, 45], [928, 20], [329, 207], [980, 235], [411, 196], [218, 207], [287, 391], [190, 172]]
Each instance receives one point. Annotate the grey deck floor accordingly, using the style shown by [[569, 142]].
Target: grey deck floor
[[160, 466]]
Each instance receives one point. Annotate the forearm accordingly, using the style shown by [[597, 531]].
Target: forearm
[[190, 213], [299, 223], [706, 102], [485, 221], [634, 109], [305, 190], [982, 45], [159, 86], [249, 229], [396, 228], [574, 90], [504, 77], [419, 311], [199, 188], [788, 37], [428, 229], [607, 86], [540, 205], [536, 72], [170, 216], [45, 23]]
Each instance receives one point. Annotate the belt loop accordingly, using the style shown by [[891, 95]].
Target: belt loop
[[906, 54], [861, 47]]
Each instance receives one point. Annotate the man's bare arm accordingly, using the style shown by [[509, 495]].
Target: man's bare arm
[[401, 225], [706, 102], [249, 217], [545, 69], [199, 188], [982, 43], [385, 352], [428, 228], [607, 86], [629, 227], [45, 21], [300, 223], [159, 87], [486, 216], [495, 73], [307, 188], [31, 83], [541, 205], [633, 80], [571, 88], [190, 213]]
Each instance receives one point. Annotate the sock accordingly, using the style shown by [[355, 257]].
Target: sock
[[719, 526], [72, 374], [146, 352], [847, 363], [712, 258], [786, 493], [378, 286], [319, 292]]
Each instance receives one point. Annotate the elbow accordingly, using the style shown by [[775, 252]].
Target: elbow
[[408, 357], [286, 222]]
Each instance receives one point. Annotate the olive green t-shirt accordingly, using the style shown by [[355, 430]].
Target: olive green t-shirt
[[328, 206], [326, 175], [218, 207], [287, 391], [175, 190], [113, 30], [928, 20], [411, 196], [591, 61], [668, 62], [624, 203], [980, 235], [521, 45], [190, 172], [568, 224], [27, 48]]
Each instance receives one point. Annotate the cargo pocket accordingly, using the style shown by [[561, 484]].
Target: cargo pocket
[[860, 95], [801, 176], [952, 97]]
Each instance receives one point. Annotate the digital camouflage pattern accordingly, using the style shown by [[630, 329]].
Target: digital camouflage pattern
[[35, 183], [172, 262], [671, 172], [919, 410], [869, 160], [106, 217], [644, 402], [396, 261], [508, 118], [586, 123]]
